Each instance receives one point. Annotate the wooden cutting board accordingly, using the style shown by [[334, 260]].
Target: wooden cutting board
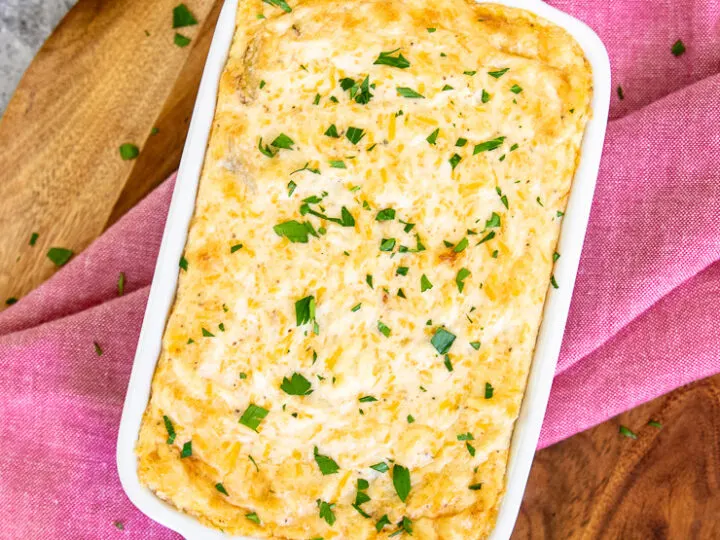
[[110, 73]]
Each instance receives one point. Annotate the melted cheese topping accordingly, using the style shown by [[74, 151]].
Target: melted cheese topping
[[486, 73]]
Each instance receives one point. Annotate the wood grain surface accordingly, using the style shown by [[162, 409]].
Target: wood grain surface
[[100, 81]]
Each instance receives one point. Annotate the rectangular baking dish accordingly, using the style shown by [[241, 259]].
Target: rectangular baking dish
[[557, 304]]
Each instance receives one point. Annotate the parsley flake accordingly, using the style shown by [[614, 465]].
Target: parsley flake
[[326, 464], [678, 48], [282, 4], [475, 487], [442, 340], [236, 247], [401, 481], [620, 93], [183, 17], [387, 244], [337, 164], [402, 271], [489, 390], [432, 138], [454, 160], [487, 146], [462, 274], [283, 141], [354, 134], [356, 307], [59, 256], [475, 345], [252, 516], [516, 89], [627, 432], [425, 284], [98, 349], [446, 88], [305, 310], [180, 41], [485, 96], [295, 231], [326, 512], [388, 214], [384, 329], [296, 385], [381, 467], [382, 522], [387, 59], [499, 73], [121, 284], [186, 451], [493, 222], [129, 151], [253, 416], [332, 132], [170, 430], [34, 238], [406, 92], [221, 488]]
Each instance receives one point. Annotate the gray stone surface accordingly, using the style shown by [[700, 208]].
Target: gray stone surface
[[24, 26]]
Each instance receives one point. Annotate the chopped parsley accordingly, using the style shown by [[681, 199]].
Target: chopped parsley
[[487, 146], [516, 89], [381, 467], [462, 274], [305, 310], [475, 487], [431, 30], [354, 134], [425, 284], [253, 416], [405, 526], [326, 464], [326, 512], [461, 245], [367, 399], [470, 73], [262, 84], [556, 256], [295, 231], [382, 522], [454, 160], [387, 244], [170, 430], [410, 419], [402, 271], [221, 488], [121, 284], [432, 138], [279, 3], [387, 59], [465, 437], [316, 101], [332, 132], [360, 92], [627, 432], [503, 198], [98, 349], [406, 92], [448, 363], [183, 263], [252, 516], [470, 449], [385, 215], [678, 48], [266, 150], [369, 280], [487, 237], [655, 424], [356, 307], [306, 168], [254, 463], [384, 329], [180, 41], [236, 247], [337, 164], [186, 451], [475, 345], [59, 256], [489, 390], [283, 141], [620, 93], [442, 340], [296, 385], [401, 481], [182, 17], [10, 301], [129, 151], [446, 88], [493, 222], [554, 282], [461, 142], [34, 238], [499, 73], [485, 96]]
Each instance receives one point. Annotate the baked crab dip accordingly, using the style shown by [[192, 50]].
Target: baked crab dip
[[365, 272]]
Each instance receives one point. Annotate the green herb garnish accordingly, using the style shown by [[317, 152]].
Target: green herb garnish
[[332, 132], [182, 17], [221, 488], [442, 340], [59, 256], [627, 432], [253, 416], [326, 512], [401, 481], [170, 430], [384, 329], [296, 385], [326, 464], [487, 146], [387, 59], [425, 284], [454, 160], [354, 134], [462, 274], [475, 345], [432, 138], [516, 89], [180, 41], [406, 92], [485, 96], [295, 231], [678, 48], [252, 516], [385, 215], [381, 467], [34, 238], [489, 390], [305, 310], [186, 451], [283, 141], [282, 4], [499, 73], [387, 244], [129, 151]]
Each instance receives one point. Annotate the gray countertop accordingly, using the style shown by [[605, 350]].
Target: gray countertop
[[24, 26]]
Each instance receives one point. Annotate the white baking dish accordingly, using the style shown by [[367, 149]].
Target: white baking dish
[[162, 292]]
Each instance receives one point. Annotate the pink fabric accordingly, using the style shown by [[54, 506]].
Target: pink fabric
[[643, 319]]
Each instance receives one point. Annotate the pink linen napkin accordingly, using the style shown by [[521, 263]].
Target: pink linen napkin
[[643, 319]]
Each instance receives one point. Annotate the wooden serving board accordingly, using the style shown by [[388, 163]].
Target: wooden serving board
[[110, 73]]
